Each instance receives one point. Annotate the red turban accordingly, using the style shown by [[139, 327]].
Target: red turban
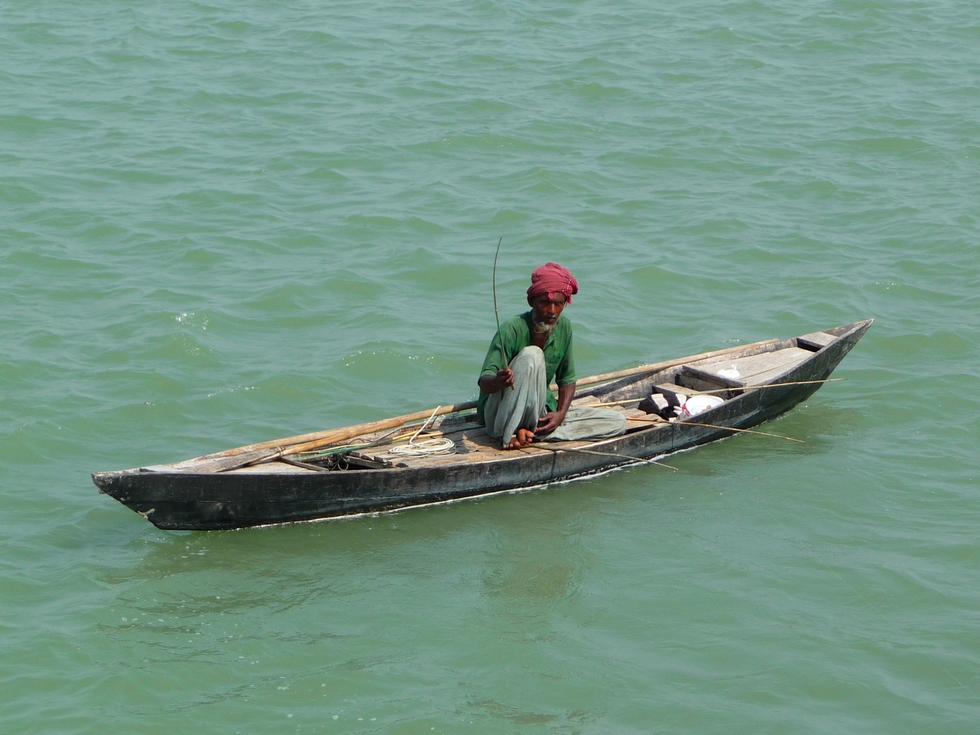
[[550, 279]]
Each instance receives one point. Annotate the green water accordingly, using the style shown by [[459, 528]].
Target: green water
[[227, 222]]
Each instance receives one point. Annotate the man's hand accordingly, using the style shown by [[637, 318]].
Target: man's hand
[[490, 384], [552, 420], [549, 422]]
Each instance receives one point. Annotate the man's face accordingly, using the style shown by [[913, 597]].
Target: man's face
[[545, 311]]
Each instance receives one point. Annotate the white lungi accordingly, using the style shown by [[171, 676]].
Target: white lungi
[[508, 410]]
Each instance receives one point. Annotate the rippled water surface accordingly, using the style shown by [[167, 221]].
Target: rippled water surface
[[227, 222]]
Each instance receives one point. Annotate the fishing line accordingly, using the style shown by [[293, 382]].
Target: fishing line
[[667, 422], [743, 388], [602, 454], [493, 281]]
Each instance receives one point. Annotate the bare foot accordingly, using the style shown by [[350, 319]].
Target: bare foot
[[522, 438]]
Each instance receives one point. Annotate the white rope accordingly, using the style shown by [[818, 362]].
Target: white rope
[[426, 446]]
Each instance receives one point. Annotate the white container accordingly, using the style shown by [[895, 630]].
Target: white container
[[699, 404]]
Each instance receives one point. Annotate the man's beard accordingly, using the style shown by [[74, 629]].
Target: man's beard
[[543, 327]]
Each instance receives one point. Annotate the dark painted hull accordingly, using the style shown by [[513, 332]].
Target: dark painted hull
[[182, 500]]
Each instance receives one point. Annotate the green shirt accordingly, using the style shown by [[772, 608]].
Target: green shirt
[[514, 336]]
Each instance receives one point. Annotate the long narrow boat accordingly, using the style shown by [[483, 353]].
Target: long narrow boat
[[387, 465]]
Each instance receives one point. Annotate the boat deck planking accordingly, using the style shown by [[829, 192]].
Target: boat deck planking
[[474, 445], [759, 369]]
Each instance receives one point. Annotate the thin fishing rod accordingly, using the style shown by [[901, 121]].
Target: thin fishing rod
[[603, 454], [645, 420], [768, 385], [496, 315], [694, 392]]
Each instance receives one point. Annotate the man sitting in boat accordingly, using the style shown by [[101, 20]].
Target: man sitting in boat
[[526, 354]]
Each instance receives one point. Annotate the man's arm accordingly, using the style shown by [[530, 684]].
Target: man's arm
[[552, 420], [495, 375]]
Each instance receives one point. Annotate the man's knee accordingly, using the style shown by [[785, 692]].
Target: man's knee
[[532, 356]]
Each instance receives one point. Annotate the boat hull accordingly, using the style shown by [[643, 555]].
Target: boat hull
[[211, 501]]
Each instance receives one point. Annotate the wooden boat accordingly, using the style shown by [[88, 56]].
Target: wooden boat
[[355, 470]]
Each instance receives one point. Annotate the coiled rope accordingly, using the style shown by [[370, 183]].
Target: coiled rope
[[426, 446]]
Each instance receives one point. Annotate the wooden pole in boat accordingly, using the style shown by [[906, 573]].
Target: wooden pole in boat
[[322, 438], [601, 454], [712, 426], [694, 392]]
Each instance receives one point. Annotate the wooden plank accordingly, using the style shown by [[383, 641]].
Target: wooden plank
[[771, 371], [814, 340], [223, 464], [277, 467], [670, 391], [757, 369], [701, 379]]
